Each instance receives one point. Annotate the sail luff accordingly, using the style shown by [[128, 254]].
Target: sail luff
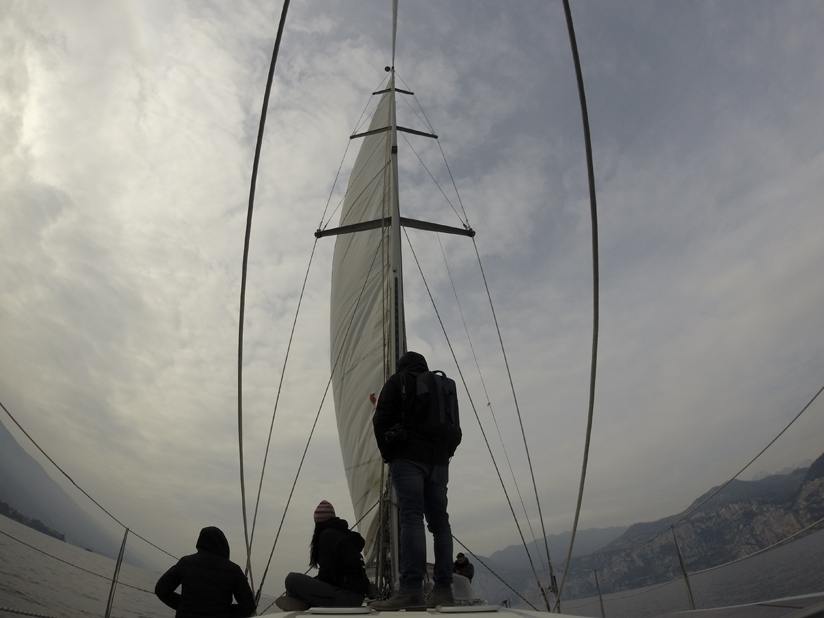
[[362, 260]]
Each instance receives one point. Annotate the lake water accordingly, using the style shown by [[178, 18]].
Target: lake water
[[794, 569], [32, 582]]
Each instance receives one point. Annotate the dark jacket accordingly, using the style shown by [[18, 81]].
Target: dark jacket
[[396, 435], [208, 581], [467, 569], [339, 556]]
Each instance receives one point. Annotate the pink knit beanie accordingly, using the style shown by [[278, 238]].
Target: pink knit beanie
[[324, 512]]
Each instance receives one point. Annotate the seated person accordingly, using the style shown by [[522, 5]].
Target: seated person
[[208, 581], [336, 552], [463, 567]]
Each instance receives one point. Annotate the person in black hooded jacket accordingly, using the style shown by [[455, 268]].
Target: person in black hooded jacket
[[208, 581], [336, 552], [419, 468]]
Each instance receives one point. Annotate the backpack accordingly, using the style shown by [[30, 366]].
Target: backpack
[[434, 412]]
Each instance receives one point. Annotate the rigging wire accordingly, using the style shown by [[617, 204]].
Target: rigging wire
[[443, 154], [523, 431], [593, 209], [280, 388], [720, 488], [72, 564], [83, 491], [252, 184], [692, 509], [21, 612], [352, 527], [783, 541], [437, 184], [314, 424], [763, 550], [465, 221], [489, 568], [366, 187], [294, 323], [345, 152], [486, 395], [477, 417]]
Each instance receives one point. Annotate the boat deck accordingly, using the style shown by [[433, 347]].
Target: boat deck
[[806, 606]]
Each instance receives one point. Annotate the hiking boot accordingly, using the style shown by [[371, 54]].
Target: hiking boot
[[291, 604], [399, 600], [441, 596]]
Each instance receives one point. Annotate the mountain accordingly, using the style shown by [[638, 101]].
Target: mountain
[[512, 565], [586, 541], [27, 489], [744, 517]]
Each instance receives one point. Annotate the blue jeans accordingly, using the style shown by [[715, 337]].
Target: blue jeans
[[421, 490]]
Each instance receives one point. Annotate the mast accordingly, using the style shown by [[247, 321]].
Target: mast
[[369, 301], [397, 323]]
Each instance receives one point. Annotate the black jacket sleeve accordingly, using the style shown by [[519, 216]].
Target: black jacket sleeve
[[243, 595], [166, 586], [387, 414]]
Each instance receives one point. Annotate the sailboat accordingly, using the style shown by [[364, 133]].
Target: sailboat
[[368, 329], [368, 334], [365, 343]]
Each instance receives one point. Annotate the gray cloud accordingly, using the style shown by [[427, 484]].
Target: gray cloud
[[127, 135]]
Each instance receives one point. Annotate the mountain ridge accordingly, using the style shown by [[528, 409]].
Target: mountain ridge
[[743, 517], [26, 488]]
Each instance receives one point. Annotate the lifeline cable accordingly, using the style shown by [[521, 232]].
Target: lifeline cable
[[314, 425], [721, 487], [73, 482], [783, 541], [21, 612], [255, 164], [72, 564], [593, 209], [488, 568], [477, 418]]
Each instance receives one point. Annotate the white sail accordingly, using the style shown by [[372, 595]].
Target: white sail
[[359, 318]]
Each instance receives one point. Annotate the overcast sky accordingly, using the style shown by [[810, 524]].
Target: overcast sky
[[126, 139]]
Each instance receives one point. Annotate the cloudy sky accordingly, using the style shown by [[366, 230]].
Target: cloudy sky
[[126, 139]]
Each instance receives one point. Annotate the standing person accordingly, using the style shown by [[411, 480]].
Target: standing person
[[417, 442], [208, 580], [463, 567], [336, 552]]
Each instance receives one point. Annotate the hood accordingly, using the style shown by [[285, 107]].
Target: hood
[[413, 363], [213, 540]]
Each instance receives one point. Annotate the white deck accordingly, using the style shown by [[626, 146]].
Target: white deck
[[790, 607], [471, 611]]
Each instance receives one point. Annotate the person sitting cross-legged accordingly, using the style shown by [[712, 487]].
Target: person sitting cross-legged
[[336, 552]]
